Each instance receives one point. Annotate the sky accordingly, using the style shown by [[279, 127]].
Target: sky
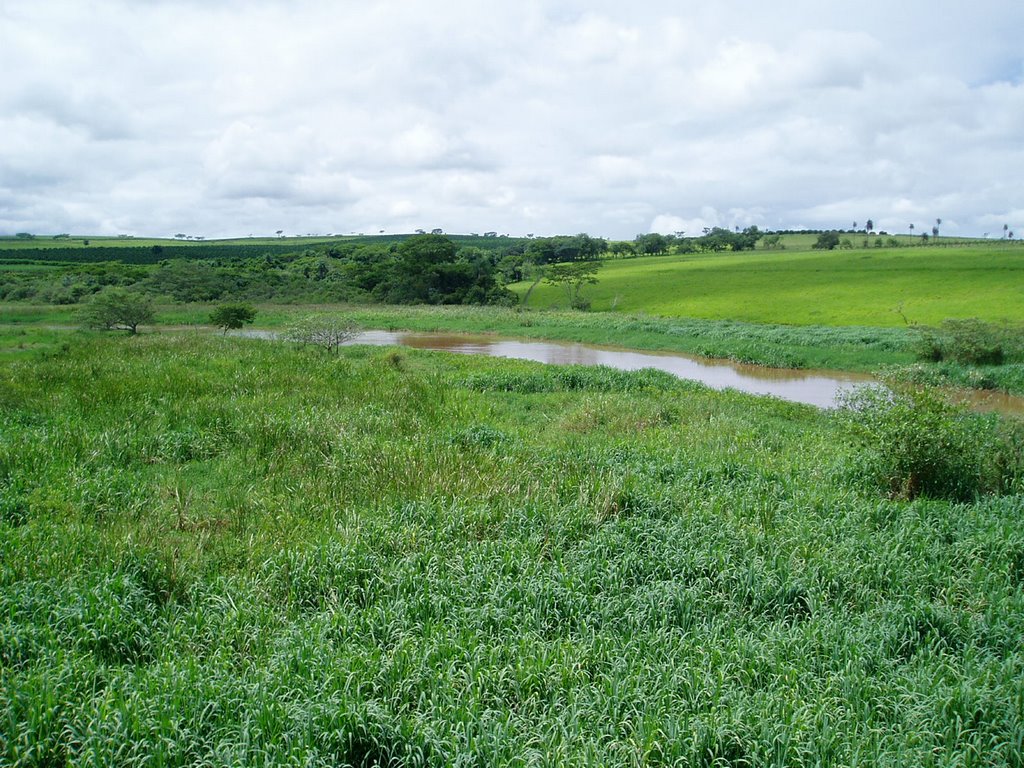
[[223, 118]]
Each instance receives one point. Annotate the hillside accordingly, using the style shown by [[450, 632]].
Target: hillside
[[878, 287]]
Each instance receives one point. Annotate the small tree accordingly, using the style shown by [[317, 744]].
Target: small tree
[[232, 316], [326, 331], [826, 241], [117, 308], [572, 276]]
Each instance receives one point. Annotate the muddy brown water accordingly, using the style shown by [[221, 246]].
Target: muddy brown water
[[820, 388], [812, 387]]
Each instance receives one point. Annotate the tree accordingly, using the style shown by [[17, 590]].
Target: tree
[[1006, 228], [232, 316], [721, 239], [652, 243], [117, 308], [533, 272], [870, 226], [911, 230], [826, 241], [572, 276], [326, 331]]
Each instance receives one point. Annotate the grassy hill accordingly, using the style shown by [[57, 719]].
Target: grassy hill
[[872, 287]]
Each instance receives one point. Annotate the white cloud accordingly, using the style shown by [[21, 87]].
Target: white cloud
[[228, 117]]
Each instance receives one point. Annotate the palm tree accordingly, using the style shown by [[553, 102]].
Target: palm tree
[[911, 229]]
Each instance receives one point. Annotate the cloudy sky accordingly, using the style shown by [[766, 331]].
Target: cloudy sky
[[231, 117]]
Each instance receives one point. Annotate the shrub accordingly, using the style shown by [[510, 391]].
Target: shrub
[[918, 444], [826, 241], [970, 342], [326, 331]]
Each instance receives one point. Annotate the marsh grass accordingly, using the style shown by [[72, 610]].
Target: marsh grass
[[222, 551]]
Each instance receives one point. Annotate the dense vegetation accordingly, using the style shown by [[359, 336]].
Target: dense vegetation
[[226, 551], [429, 269]]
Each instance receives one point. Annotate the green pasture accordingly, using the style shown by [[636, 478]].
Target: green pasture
[[857, 240], [871, 287], [221, 551]]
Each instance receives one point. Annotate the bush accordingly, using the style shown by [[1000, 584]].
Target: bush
[[826, 241], [326, 331], [970, 342], [920, 445]]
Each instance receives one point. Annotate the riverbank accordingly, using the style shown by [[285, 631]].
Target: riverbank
[[851, 349]]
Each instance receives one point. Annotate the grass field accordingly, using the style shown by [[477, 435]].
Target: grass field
[[867, 287], [224, 551]]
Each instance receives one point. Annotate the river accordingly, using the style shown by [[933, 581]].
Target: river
[[821, 388]]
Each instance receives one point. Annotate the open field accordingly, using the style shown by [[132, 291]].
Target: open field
[[869, 287], [218, 550]]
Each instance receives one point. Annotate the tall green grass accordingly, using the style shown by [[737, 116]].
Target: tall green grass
[[222, 551]]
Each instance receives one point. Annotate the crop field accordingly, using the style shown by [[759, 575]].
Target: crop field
[[224, 551], [868, 287]]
